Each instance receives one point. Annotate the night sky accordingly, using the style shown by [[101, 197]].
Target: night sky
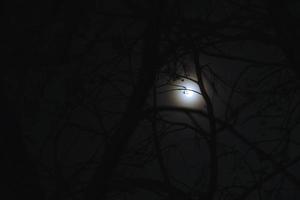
[[150, 100]]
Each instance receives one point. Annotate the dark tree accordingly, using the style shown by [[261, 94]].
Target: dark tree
[[92, 99]]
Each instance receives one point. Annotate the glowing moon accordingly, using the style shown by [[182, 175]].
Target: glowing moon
[[183, 92], [187, 94]]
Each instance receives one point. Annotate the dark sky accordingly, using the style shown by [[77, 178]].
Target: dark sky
[[93, 102]]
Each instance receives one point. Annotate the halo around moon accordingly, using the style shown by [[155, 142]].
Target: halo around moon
[[182, 92], [186, 93]]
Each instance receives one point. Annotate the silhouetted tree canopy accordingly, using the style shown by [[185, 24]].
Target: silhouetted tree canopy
[[89, 108]]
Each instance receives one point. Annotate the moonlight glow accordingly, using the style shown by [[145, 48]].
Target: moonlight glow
[[187, 93], [183, 92]]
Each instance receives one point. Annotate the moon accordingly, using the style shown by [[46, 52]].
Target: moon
[[183, 92], [187, 93]]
